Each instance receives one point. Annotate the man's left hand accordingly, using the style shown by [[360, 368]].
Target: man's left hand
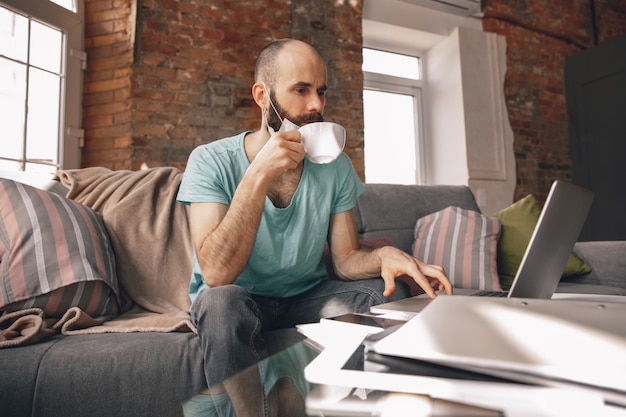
[[430, 278]]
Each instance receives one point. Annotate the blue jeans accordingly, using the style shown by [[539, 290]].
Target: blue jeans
[[230, 321]]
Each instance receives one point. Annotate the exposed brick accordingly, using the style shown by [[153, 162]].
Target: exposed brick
[[109, 39], [97, 121], [113, 158], [122, 95], [117, 13], [95, 6], [121, 118], [98, 28], [540, 35], [123, 142], [149, 130], [107, 108], [112, 131], [147, 105], [98, 144], [107, 85], [97, 98], [100, 75]]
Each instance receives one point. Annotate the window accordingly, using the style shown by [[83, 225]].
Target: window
[[40, 84], [392, 100], [388, 63], [68, 4]]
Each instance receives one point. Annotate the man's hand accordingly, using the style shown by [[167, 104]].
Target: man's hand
[[395, 262], [282, 152]]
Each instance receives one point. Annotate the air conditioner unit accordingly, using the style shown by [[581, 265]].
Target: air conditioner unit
[[470, 8]]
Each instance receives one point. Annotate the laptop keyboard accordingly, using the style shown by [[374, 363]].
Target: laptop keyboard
[[487, 293]]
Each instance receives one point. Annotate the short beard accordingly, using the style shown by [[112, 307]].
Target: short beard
[[274, 121]]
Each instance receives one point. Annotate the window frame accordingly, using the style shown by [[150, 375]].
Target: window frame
[[406, 86], [71, 23]]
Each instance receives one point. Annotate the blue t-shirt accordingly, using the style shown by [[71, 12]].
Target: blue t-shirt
[[287, 258]]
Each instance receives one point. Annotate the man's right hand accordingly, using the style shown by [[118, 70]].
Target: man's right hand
[[281, 153]]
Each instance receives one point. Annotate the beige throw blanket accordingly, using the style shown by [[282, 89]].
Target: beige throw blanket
[[29, 326], [150, 235]]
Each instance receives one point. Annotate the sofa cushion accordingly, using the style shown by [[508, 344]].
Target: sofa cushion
[[464, 242], [607, 260], [20, 377], [518, 223], [120, 374], [54, 254]]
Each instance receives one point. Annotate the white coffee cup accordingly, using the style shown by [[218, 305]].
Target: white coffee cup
[[323, 141]]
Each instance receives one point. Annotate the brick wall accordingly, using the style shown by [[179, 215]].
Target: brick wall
[[189, 79], [540, 34], [107, 98], [184, 78]]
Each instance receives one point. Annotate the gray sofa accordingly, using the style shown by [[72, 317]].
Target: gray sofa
[[150, 373]]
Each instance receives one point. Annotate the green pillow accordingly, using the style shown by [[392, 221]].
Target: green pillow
[[518, 223]]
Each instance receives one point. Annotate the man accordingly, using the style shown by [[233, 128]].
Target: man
[[260, 214]]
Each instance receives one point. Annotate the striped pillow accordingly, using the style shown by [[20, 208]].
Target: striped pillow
[[54, 254], [464, 242]]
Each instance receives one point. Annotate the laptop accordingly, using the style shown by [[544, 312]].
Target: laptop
[[559, 225]]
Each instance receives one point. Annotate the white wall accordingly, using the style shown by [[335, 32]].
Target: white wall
[[468, 137], [445, 149], [489, 137]]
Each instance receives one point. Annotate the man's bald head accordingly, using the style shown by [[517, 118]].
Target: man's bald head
[[267, 69]]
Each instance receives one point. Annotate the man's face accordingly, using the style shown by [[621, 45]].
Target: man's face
[[274, 121], [299, 92]]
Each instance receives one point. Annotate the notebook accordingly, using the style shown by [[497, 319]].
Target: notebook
[[559, 225]]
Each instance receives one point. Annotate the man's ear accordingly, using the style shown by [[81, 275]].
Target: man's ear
[[260, 95]]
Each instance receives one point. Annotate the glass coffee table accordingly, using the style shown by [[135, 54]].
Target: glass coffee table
[[346, 379], [276, 386]]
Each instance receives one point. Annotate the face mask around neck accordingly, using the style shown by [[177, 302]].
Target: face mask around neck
[[286, 125]]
